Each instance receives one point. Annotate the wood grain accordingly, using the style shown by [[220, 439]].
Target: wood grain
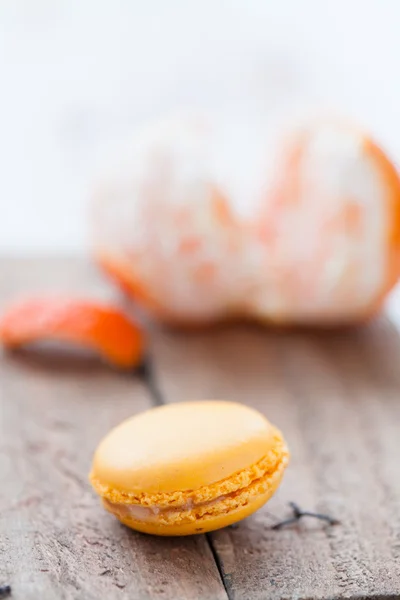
[[337, 399], [335, 396], [55, 539]]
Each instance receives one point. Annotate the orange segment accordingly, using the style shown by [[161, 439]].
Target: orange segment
[[98, 326], [330, 229], [163, 228]]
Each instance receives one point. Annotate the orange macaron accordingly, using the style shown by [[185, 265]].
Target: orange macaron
[[189, 468]]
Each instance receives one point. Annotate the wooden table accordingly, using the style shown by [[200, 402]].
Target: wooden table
[[336, 397]]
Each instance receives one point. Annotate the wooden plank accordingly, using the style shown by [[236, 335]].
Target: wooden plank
[[55, 539], [336, 398]]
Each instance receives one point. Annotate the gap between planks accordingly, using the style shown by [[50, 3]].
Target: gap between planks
[[147, 372]]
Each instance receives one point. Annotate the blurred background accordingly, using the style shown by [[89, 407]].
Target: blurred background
[[78, 75]]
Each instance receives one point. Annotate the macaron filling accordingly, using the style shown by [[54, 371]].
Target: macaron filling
[[154, 513]]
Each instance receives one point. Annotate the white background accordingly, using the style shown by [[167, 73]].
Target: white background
[[78, 74]]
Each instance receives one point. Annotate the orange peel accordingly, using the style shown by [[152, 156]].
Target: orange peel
[[97, 326]]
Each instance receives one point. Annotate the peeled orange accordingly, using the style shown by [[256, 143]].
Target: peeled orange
[[323, 246]]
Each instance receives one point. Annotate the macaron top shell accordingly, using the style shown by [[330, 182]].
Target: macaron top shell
[[184, 446]]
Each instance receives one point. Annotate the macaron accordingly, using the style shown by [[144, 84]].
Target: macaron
[[189, 468]]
